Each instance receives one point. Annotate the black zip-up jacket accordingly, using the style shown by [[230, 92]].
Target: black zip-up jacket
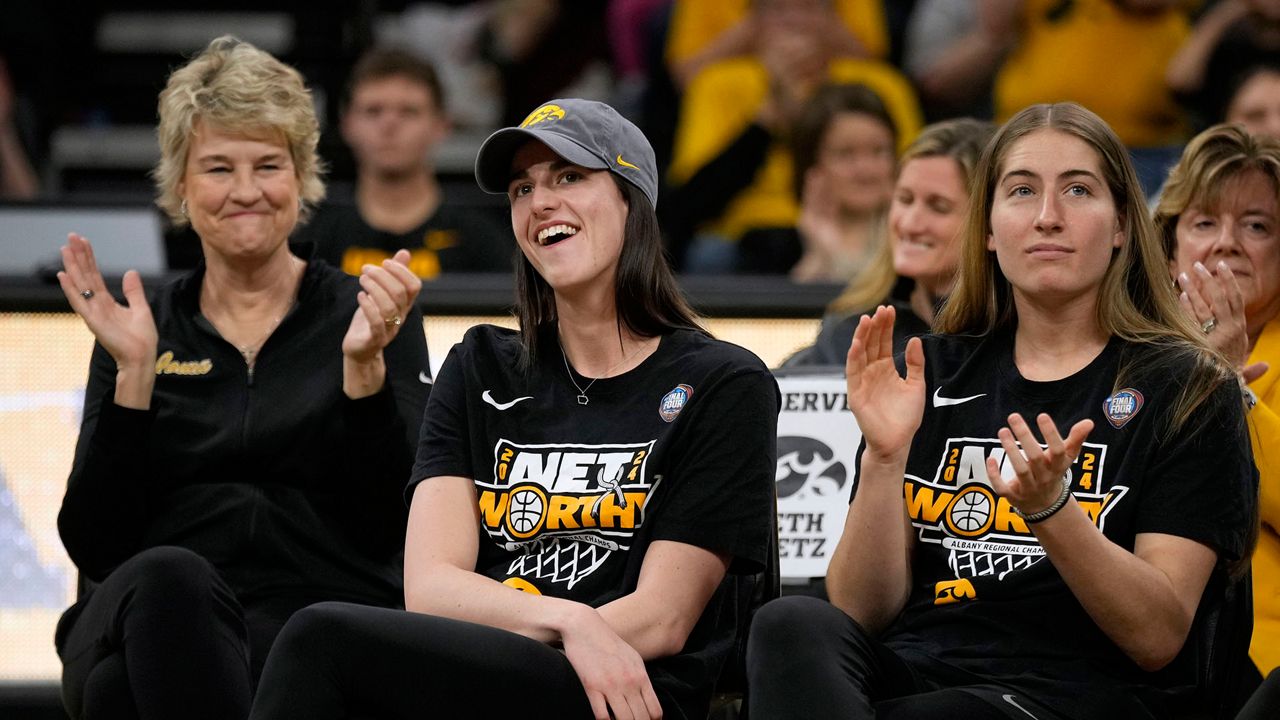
[[288, 487]]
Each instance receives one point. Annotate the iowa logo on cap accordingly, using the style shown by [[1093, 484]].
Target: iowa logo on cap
[[542, 114]]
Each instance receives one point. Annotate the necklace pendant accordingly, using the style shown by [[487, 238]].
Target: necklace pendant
[[582, 399]]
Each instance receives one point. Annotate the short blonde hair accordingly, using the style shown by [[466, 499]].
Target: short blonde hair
[[1211, 159], [240, 88]]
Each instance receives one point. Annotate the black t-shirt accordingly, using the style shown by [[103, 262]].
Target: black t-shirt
[[681, 448], [984, 600], [453, 239]]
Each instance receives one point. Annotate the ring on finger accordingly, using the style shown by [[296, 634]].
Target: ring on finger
[[393, 321], [1208, 325], [86, 294]]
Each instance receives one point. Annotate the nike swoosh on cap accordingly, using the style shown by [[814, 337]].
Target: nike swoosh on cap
[[939, 401], [624, 163], [502, 406]]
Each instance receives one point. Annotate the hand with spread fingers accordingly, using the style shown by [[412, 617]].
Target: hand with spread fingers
[[1037, 484], [127, 332], [612, 672], [888, 407], [386, 298], [1217, 305]]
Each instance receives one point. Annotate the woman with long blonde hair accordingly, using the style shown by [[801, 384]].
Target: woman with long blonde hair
[[1041, 501]]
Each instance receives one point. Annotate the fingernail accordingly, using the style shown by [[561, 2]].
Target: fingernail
[[1222, 265], [1183, 279], [1200, 266]]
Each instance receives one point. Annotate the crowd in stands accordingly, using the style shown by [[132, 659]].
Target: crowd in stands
[[733, 95], [865, 144]]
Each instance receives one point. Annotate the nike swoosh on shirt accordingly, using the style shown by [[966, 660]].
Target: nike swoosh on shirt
[[424, 378], [939, 401], [502, 406], [1009, 699]]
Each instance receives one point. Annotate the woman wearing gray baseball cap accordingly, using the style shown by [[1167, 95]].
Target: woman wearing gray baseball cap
[[586, 528]]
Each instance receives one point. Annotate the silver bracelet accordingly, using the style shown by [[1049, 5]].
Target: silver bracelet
[[1057, 505]]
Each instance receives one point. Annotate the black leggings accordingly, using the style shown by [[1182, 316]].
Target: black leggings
[[807, 659], [162, 637], [336, 660]]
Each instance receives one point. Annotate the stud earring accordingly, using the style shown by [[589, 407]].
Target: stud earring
[[183, 208]]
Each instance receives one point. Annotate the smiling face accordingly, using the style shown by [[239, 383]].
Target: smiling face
[[392, 124], [1054, 222], [857, 155], [925, 218], [568, 220], [1244, 232], [241, 191]]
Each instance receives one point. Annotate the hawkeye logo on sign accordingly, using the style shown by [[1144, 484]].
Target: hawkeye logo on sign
[[565, 507], [958, 509]]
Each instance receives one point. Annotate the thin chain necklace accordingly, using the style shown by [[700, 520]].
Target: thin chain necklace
[[250, 352], [582, 391]]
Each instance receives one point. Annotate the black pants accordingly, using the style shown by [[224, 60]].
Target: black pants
[[807, 659], [336, 660], [162, 637]]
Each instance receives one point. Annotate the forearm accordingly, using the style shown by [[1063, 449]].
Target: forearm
[[362, 379], [1135, 603], [452, 592], [869, 577], [17, 178], [103, 513], [1186, 70], [643, 624], [963, 69]]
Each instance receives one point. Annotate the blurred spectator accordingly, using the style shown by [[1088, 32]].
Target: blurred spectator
[[953, 48], [755, 100], [1231, 39], [541, 47], [916, 268], [1108, 55], [393, 117], [1256, 102], [703, 33], [17, 179], [843, 148]]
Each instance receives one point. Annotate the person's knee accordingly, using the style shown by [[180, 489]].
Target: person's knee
[[316, 627], [174, 578], [781, 619]]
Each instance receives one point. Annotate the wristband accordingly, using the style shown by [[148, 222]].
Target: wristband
[[1048, 512]]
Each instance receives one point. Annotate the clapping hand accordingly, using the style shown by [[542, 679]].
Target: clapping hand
[[127, 332], [1038, 472], [888, 407], [1217, 305], [387, 295]]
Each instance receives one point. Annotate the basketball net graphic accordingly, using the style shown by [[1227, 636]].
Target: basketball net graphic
[[560, 560]]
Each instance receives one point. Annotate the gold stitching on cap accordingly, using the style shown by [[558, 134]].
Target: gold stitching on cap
[[542, 114]]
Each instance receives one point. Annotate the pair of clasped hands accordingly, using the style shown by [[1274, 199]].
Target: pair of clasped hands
[[889, 409], [128, 331]]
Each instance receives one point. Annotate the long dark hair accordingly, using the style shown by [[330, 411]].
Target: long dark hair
[[646, 297]]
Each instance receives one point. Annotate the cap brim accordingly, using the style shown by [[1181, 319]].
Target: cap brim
[[493, 162]]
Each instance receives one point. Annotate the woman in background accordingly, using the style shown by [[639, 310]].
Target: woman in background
[[916, 268], [1219, 218]]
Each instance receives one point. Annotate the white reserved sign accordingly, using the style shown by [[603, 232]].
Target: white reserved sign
[[817, 440]]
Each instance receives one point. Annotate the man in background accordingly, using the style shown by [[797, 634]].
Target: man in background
[[392, 120]]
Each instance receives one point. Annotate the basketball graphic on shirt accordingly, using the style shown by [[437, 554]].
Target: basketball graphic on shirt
[[528, 505], [970, 512]]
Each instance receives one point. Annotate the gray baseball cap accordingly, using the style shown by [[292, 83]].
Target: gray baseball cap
[[584, 132]]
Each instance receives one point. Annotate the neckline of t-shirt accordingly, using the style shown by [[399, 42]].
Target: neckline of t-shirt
[[1013, 379], [625, 381]]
